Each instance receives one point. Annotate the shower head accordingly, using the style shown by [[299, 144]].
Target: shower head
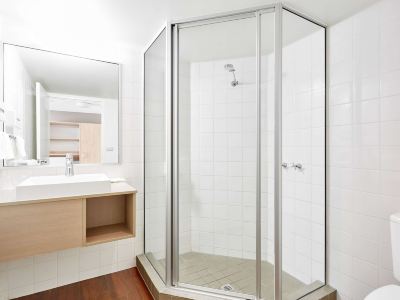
[[231, 68]]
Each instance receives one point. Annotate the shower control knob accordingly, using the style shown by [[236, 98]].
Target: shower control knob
[[285, 165]]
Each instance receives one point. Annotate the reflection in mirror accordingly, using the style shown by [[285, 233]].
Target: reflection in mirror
[[56, 104]]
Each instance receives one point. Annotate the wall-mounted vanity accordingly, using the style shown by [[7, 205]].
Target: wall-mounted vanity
[[42, 224]]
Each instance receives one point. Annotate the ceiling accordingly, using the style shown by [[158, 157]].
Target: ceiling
[[211, 42], [135, 22]]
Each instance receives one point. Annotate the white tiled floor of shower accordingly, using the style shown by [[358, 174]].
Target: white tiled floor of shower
[[218, 272]]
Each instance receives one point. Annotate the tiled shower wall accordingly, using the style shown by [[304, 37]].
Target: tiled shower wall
[[364, 148], [33, 274], [303, 141], [223, 158], [185, 184], [223, 155]]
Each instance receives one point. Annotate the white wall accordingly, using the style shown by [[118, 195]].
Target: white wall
[[364, 153], [33, 274]]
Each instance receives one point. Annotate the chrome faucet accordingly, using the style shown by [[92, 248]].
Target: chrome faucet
[[69, 164]]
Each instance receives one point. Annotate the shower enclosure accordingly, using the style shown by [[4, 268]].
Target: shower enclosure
[[234, 147]]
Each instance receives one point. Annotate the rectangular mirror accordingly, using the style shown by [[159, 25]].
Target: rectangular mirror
[[56, 104]]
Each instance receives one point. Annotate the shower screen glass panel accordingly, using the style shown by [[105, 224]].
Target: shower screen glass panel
[[303, 150], [217, 154], [155, 189], [267, 111]]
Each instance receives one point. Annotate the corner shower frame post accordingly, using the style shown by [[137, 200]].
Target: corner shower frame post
[[278, 153], [258, 158], [169, 155], [175, 153]]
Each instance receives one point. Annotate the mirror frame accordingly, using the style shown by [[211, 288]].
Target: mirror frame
[[2, 100]]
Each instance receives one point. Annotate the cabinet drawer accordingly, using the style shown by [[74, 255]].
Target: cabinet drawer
[[37, 228]]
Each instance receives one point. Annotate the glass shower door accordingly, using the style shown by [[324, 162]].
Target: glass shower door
[[267, 158], [217, 153]]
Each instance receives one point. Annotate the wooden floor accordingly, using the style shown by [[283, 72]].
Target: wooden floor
[[123, 285]]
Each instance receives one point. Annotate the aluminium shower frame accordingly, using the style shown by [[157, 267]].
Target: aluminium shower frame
[[172, 135]]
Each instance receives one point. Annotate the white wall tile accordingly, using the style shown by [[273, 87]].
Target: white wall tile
[[363, 156], [390, 108], [389, 83], [46, 270]]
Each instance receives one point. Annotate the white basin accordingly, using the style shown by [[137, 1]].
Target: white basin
[[45, 187]]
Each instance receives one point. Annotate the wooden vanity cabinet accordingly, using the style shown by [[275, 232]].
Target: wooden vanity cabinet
[[44, 226], [35, 228]]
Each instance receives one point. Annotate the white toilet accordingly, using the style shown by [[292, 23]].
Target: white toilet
[[392, 291]]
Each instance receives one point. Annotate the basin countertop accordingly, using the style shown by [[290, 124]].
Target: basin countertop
[[61, 179], [60, 186], [8, 197]]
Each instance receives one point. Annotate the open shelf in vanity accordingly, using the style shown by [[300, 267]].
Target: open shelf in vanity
[[109, 218]]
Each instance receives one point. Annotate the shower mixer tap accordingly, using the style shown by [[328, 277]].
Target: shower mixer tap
[[296, 166]]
